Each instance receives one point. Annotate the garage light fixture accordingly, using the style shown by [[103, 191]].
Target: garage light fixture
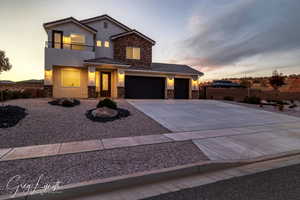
[[170, 83]]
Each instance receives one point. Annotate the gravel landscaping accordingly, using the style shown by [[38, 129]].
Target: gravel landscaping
[[46, 124], [80, 167]]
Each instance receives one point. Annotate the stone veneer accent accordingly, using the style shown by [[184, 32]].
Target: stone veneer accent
[[121, 92], [133, 40], [195, 94], [170, 94], [48, 90], [92, 91]]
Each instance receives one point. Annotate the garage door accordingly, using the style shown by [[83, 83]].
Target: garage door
[[181, 88], [138, 87]]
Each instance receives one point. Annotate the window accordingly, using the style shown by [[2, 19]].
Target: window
[[70, 78], [79, 40], [105, 24], [106, 43], [67, 42], [133, 53], [57, 39], [99, 43], [105, 82]]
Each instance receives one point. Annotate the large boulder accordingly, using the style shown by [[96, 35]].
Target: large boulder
[[104, 112]]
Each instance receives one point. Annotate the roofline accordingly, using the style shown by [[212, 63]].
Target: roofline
[[181, 65], [65, 20], [103, 63], [105, 16], [113, 37], [165, 72]]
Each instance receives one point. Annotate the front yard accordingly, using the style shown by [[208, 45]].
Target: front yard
[[46, 124]]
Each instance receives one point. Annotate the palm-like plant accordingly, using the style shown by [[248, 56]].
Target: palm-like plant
[[4, 66]]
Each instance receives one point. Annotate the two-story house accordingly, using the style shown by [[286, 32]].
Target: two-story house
[[101, 57]]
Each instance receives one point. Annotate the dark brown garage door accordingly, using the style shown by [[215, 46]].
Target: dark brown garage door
[[181, 88], [139, 87]]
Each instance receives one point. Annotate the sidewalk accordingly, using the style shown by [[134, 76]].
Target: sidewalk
[[220, 144]]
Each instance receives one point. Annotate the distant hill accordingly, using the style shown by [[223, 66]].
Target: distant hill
[[6, 82], [31, 81]]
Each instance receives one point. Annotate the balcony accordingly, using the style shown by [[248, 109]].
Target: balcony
[[66, 54]]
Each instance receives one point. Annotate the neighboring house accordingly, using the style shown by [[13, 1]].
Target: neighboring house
[[225, 84], [101, 57]]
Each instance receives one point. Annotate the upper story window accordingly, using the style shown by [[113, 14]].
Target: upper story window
[[133, 53], [78, 41], [74, 41], [57, 39], [105, 25], [106, 44], [99, 43]]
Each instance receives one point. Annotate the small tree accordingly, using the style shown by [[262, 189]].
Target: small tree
[[4, 66], [276, 80], [248, 84]]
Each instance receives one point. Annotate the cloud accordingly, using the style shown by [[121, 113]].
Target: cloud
[[246, 29]]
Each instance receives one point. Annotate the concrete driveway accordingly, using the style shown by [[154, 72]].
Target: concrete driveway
[[197, 115]]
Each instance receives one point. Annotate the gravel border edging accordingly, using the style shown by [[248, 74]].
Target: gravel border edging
[[122, 113]]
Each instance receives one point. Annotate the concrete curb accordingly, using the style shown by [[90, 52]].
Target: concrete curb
[[107, 184], [113, 183]]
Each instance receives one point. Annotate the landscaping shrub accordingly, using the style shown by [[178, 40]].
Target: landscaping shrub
[[252, 100], [229, 98], [65, 102], [107, 103], [11, 115], [20, 94]]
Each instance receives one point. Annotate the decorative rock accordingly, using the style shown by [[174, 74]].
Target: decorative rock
[[65, 102], [104, 112]]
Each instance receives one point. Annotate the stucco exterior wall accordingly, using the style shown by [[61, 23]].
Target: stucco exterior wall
[[59, 91], [104, 34], [65, 57], [71, 28]]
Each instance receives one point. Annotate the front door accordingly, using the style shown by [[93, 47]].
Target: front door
[[105, 84]]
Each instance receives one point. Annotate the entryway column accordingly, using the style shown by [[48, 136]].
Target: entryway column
[[195, 87], [91, 82], [121, 84], [170, 87], [48, 82]]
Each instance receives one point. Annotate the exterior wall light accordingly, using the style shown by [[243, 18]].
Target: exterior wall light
[[195, 83], [48, 77], [170, 83]]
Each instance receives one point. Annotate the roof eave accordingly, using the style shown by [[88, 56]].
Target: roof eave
[[104, 63], [166, 72], [133, 32], [66, 20], [105, 16]]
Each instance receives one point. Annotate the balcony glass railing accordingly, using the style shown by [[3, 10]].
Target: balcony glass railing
[[70, 46]]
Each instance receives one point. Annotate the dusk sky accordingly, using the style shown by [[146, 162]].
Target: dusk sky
[[222, 38]]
